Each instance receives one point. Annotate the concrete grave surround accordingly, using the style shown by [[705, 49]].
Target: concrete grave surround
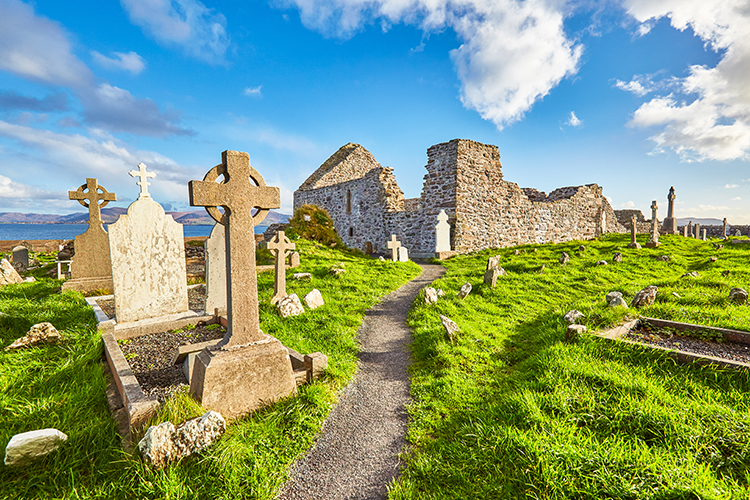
[[148, 262], [464, 178], [92, 265], [20, 257], [216, 270], [247, 369], [442, 233]]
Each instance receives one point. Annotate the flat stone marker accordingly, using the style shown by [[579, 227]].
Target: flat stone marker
[[393, 246], [92, 264], [147, 249], [442, 233], [21, 258], [216, 270], [280, 246], [247, 369]]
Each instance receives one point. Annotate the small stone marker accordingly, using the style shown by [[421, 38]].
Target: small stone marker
[[451, 328], [247, 369], [442, 233], [654, 241], [703, 236], [147, 249], [573, 331], [612, 296], [564, 258], [280, 246], [294, 260], [403, 254], [697, 229], [290, 306], [393, 245], [302, 276], [216, 270], [465, 291], [684, 231], [491, 276], [314, 299], [21, 258], [92, 266], [618, 302], [493, 262], [724, 232], [738, 295], [601, 262], [430, 295], [633, 233], [25, 447], [315, 365], [738, 233], [8, 274]]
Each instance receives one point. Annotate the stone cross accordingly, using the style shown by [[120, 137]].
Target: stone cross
[[393, 246], [633, 230], [280, 246], [725, 228], [442, 233], [671, 197], [141, 172], [654, 226], [95, 194], [242, 190]]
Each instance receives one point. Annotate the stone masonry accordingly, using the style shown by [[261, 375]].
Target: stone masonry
[[465, 179]]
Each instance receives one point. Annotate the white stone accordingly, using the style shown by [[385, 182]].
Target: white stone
[[290, 306], [30, 279], [157, 447], [8, 273], [573, 316], [148, 263], [302, 276], [314, 299], [25, 447], [216, 270], [451, 328], [618, 302], [442, 233], [403, 254], [430, 295], [465, 291]]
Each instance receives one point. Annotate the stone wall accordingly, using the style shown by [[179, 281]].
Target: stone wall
[[465, 179], [717, 231]]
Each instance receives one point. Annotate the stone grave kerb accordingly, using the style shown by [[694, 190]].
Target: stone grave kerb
[[393, 245], [281, 247], [239, 197]]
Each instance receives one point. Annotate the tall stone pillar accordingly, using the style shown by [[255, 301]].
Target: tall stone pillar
[[669, 226]]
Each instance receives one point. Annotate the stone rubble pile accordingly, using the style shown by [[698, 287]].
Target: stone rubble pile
[[164, 443]]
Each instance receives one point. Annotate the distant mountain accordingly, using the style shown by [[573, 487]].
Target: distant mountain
[[111, 214], [682, 221]]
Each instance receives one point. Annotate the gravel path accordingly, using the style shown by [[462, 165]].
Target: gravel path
[[356, 453]]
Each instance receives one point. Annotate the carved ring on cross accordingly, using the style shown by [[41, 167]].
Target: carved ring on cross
[[100, 190], [214, 212]]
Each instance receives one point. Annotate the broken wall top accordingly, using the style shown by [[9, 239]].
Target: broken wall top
[[351, 161]]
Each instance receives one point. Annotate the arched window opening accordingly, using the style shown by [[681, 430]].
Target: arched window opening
[[348, 202]]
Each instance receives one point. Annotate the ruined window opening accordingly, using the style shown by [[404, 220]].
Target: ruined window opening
[[351, 232], [348, 203]]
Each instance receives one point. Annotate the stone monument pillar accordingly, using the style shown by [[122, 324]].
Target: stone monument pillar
[[654, 241], [697, 229], [669, 226], [92, 266], [247, 369], [724, 233], [633, 232], [690, 229]]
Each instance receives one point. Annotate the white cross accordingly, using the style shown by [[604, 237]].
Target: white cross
[[394, 245], [141, 172]]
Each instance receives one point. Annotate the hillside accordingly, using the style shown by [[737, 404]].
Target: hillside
[[111, 214]]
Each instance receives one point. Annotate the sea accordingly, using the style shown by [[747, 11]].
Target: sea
[[70, 231]]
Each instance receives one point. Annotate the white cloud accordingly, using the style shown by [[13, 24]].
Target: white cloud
[[11, 190], [129, 62], [627, 204], [573, 121], [736, 198], [253, 91], [707, 116], [187, 23], [37, 49], [730, 186], [512, 53]]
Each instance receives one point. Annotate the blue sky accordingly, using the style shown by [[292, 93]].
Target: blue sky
[[635, 95]]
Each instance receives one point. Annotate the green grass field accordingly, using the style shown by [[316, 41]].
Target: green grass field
[[512, 410], [63, 386]]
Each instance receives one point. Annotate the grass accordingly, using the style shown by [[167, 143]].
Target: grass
[[512, 410], [63, 386]]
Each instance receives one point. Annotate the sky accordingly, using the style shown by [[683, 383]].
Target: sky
[[634, 95]]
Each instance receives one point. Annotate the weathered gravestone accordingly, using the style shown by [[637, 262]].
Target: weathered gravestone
[[92, 266], [20, 258], [247, 368], [690, 229], [654, 241], [393, 245], [724, 232], [697, 229], [148, 260], [684, 231], [669, 226], [294, 260], [403, 254], [633, 233], [216, 271], [703, 235], [442, 233], [280, 246]]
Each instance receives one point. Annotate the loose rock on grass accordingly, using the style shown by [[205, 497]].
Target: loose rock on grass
[[451, 328], [290, 306], [163, 443], [573, 315], [564, 258], [27, 446], [645, 297], [738, 295], [465, 291], [41, 333]]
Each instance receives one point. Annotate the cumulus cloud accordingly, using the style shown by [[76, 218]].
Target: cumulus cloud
[[736, 198], [730, 186], [12, 190], [512, 52], [573, 120], [707, 115], [187, 23], [129, 62], [52, 102], [253, 91]]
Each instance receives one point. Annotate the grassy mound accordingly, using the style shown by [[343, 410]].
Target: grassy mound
[[63, 386], [313, 223], [512, 410]]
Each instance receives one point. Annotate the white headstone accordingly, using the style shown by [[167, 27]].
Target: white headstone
[[403, 254], [216, 270], [442, 233], [147, 248]]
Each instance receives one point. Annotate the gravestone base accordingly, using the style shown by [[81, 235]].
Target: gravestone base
[[652, 244], [238, 381], [87, 285], [445, 255], [634, 245]]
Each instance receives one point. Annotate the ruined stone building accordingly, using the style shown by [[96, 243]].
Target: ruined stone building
[[465, 179]]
